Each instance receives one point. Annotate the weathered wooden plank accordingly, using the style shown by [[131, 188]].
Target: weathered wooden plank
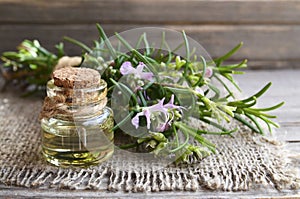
[[261, 43], [294, 147], [38, 193], [151, 11], [288, 133], [273, 64], [285, 88]]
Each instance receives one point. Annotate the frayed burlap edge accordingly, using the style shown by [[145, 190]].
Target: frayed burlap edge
[[281, 173], [182, 178]]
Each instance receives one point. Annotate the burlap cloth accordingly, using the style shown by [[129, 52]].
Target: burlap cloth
[[246, 162]]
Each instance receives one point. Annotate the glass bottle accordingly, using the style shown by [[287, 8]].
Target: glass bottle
[[77, 126]]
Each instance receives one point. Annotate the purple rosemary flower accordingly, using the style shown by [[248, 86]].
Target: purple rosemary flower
[[171, 105], [208, 72], [127, 68], [199, 90], [159, 109]]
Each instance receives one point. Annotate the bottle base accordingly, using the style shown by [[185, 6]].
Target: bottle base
[[76, 159]]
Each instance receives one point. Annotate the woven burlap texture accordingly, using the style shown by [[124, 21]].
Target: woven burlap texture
[[245, 162]]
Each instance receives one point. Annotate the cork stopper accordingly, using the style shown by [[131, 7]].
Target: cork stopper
[[78, 78], [74, 91]]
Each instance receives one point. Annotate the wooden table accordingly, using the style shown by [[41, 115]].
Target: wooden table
[[285, 87]]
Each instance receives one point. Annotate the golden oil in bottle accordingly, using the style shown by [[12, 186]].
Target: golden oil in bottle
[[77, 125]]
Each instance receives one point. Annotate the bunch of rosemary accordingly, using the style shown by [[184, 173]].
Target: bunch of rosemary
[[158, 93], [31, 65]]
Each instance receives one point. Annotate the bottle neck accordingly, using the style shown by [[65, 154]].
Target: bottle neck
[[78, 96], [70, 104], [79, 112]]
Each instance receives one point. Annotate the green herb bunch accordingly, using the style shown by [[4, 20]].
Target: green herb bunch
[[32, 63], [158, 94]]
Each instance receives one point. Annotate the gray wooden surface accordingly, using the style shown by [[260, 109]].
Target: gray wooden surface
[[285, 87], [270, 29]]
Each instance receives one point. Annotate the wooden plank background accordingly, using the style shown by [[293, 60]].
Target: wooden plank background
[[270, 29]]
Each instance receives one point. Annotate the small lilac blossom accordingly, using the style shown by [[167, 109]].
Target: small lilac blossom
[[199, 90], [160, 107], [137, 88], [127, 68], [171, 105], [147, 111], [208, 72]]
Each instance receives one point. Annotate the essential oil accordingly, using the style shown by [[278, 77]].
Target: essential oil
[[76, 123]]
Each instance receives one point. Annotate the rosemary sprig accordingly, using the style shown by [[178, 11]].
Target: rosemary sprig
[[186, 77], [31, 64]]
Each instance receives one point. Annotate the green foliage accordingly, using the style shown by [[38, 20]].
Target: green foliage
[[210, 107]]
